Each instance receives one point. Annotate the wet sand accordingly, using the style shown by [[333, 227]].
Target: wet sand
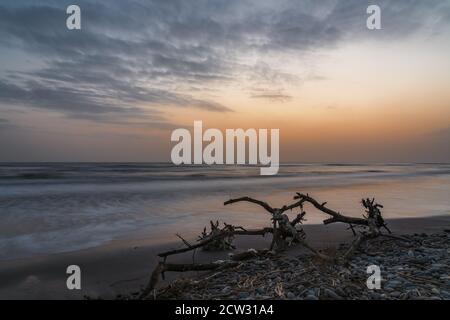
[[124, 266]]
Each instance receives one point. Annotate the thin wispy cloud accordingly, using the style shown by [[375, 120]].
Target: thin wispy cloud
[[130, 55], [132, 61]]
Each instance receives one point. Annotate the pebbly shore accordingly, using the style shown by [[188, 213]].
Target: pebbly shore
[[415, 268]]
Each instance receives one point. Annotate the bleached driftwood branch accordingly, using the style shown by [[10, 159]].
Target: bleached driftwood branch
[[284, 233], [371, 223], [283, 229]]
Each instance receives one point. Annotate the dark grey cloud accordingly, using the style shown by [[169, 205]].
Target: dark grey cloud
[[91, 105], [90, 73], [66, 99], [134, 55]]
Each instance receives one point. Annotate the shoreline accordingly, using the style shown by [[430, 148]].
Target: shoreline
[[125, 266], [413, 267]]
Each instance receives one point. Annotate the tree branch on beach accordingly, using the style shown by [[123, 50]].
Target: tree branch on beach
[[372, 221], [284, 232], [163, 267], [181, 267], [214, 239]]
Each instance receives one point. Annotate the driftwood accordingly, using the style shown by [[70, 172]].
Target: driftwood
[[217, 265], [163, 267], [226, 233], [375, 222], [284, 232], [220, 243], [371, 223], [373, 219]]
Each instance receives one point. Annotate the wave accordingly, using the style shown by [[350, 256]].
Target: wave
[[50, 207]]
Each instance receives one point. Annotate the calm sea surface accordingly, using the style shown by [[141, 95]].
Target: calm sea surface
[[50, 208]]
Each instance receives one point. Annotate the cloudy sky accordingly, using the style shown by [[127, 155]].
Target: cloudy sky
[[114, 90]]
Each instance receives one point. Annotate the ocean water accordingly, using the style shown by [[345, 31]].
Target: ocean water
[[59, 207]]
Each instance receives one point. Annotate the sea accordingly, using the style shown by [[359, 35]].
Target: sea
[[48, 208]]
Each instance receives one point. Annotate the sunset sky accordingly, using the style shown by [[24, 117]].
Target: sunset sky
[[114, 90]]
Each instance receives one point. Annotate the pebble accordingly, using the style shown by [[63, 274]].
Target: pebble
[[393, 283], [290, 295], [331, 294], [260, 290], [405, 270], [435, 291], [226, 290]]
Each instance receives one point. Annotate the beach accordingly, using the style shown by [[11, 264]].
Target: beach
[[124, 267], [236, 150], [113, 219], [410, 267]]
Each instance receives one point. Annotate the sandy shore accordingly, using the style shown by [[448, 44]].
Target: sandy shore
[[125, 266]]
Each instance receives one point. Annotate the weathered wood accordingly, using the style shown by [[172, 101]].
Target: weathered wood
[[194, 246], [264, 204], [249, 254], [254, 232], [360, 238], [219, 243], [198, 266], [298, 219], [284, 233], [153, 281], [335, 216], [248, 199], [282, 228], [223, 234], [182, 267], [372, 222]]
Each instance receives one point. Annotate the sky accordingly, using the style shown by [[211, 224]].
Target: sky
[[115, 90]]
